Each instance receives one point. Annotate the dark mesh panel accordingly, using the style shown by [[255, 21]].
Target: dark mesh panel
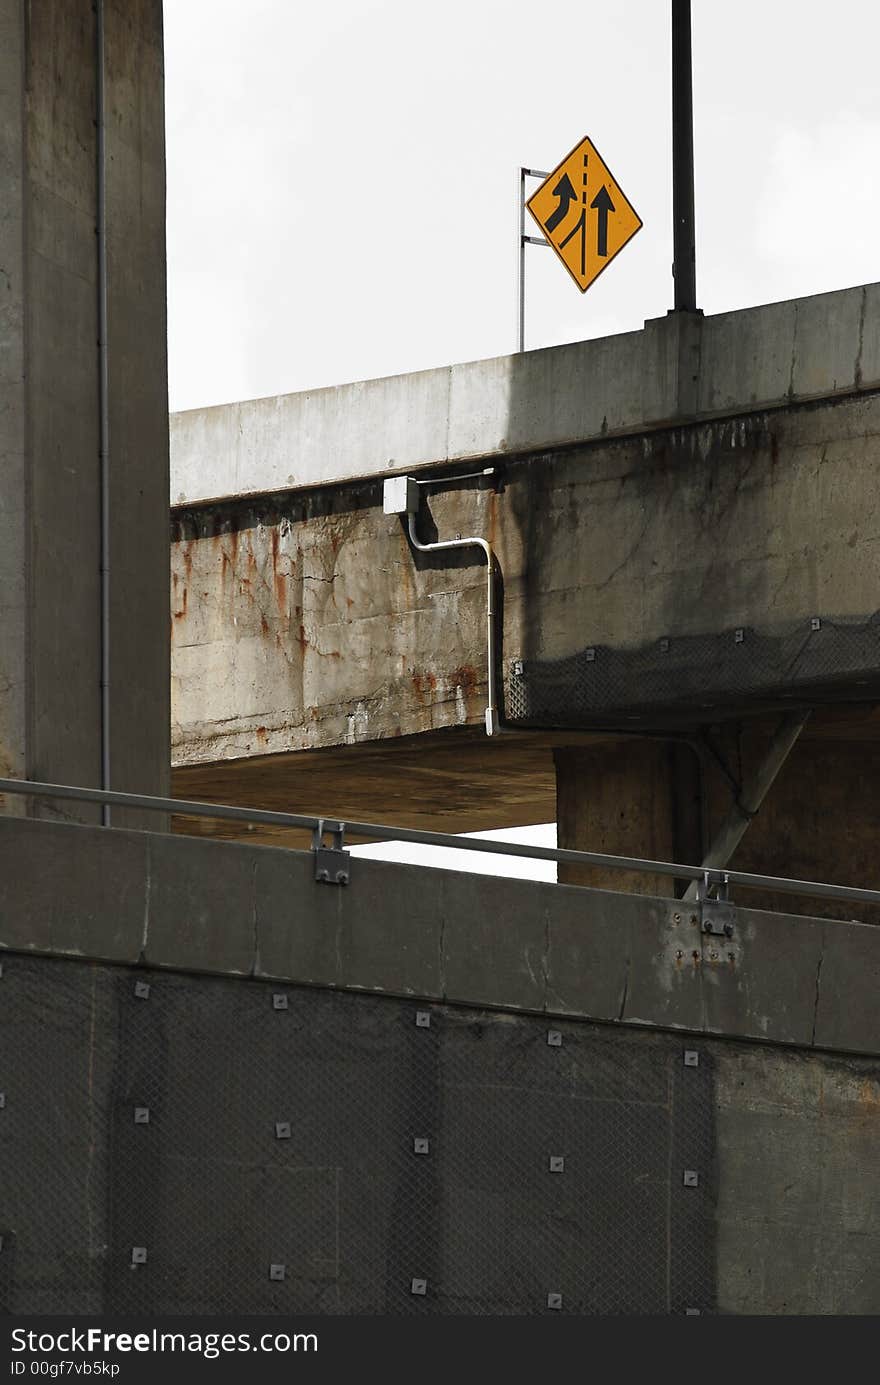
[[839, 660], [161, 1153]]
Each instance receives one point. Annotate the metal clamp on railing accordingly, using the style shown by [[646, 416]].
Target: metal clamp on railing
[[332, 863], [718, 914]]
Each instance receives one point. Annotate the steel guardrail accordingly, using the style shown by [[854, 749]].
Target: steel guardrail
[[382, 832]]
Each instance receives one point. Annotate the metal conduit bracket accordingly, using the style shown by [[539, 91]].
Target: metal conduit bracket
[[718, 914], [332, 863]]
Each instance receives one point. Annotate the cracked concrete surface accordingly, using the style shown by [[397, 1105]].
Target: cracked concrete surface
[[291, 618], [320, 664]]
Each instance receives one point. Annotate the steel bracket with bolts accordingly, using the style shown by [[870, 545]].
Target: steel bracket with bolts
[[717, 914], [332, 863]]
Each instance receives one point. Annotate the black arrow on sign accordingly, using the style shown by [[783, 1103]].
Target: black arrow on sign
[[603, 204], [566, 194]]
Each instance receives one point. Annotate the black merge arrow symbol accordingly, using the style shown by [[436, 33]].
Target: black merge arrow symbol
[[603, 204], [566, 194]]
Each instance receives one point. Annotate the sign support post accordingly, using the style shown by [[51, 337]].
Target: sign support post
[[524, 240], [684, 239]]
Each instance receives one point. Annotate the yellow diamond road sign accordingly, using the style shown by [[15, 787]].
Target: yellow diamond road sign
[[583, 213]]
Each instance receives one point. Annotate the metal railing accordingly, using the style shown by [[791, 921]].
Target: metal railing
[[320, 826]]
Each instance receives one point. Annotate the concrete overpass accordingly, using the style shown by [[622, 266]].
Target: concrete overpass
[[684, 522]]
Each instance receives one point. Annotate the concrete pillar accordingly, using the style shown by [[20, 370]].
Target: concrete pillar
[[50, 503], [820, 820], [656, 800], [628, 798]]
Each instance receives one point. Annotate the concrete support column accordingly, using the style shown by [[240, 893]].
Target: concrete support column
[[654, 799], [50, 499], [819, 821], [628, 798]]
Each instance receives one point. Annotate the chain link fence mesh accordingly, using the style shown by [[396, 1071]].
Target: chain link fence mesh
[[816, 660], [179, 1144]]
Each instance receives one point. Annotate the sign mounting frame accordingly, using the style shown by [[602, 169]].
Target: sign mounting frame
[[525, 240]]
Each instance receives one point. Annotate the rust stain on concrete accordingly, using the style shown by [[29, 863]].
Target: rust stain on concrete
[[280, 580], [868, 1098], [467, 679], [424, 684]]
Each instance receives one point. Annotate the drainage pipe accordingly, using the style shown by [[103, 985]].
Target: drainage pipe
[[492, 707], [103, 402]]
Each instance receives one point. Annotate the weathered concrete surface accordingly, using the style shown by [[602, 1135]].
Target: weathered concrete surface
[[308, 620], [820, 820], [685, 523], [406, 930], [797, 1210], [595, 803], [295, 628], [49, 418], [793, 1194], [677, 368]]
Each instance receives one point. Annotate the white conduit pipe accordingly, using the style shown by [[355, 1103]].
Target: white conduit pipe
[[492, 708]]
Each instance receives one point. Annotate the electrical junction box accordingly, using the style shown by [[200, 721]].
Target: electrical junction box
[[400, 495]]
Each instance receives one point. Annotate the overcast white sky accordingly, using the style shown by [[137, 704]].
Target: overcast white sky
[[342, 177]]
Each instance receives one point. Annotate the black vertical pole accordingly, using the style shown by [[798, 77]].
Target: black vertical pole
[[684, 243]]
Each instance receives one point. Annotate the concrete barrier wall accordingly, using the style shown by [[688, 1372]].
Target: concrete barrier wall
[[560, 950], [211, 986], [677, 368]]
